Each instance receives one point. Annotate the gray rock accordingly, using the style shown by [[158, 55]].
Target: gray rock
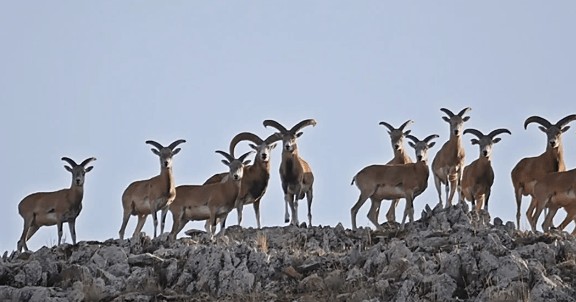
[[445, 256], [145, 259], [312, 283], [442, 287]]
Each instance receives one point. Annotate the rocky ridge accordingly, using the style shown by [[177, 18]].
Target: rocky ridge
[[447, 255]]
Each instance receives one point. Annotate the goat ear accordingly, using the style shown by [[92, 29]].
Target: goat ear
[[446, 119], [175, 151], [466, 118], [89, 169], [299, 134], [407, 132], [411, 144], [430, 145], [495, 140], [253, 146], [68, 169], [155, 151], [565, 129], [272, 146], [474, 141], [227, 163], [543, 129], [246, 162]]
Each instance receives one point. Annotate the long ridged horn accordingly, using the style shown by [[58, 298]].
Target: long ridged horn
[[244, 136], [69, 161], [275, 124], [561, 123], [430, 137], [537, 119], [243, 156], [448, 112], [477, 133], [387, 126], [463, 111], [155, 144], [176, 143], [406, 123], [302, 124], [413, 138], [274, 137], [498, 131], [229, 157], [88, 160]]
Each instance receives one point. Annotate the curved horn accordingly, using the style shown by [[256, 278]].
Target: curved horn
[[430, 137], [477, 133], [273, 138], [498, 131], [229, 157], [243, 156], [244, 136], [302, 124], [406, 123], [86, 161], [537, 119], [69, 161], [463, 111], [387, 126], [561, 123], [155, 144], [176, 143], [448, 112], [413, 138], [275, 124]]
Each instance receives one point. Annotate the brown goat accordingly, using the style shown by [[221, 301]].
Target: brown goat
[[295, 173], [478, 176], [529, 169], [210, 202], [400, 157], [448, 163], [379, 182], [50, 208], [145, 197]]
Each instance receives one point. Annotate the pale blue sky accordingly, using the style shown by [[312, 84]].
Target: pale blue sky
[[99, 78]]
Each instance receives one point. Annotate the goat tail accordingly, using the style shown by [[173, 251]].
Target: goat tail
[[353, 179]]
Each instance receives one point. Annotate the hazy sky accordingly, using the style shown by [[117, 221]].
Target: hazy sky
[[99, 78]]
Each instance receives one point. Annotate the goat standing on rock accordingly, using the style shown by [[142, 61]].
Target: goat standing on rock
[[256, 176], [295, 173], [50, 208], [400, 157], [529, 169], [145, 197], [379, 182], [448, 163], [478, 176], [211, 202]]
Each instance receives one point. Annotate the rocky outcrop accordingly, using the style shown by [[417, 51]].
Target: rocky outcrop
[[445, 256]]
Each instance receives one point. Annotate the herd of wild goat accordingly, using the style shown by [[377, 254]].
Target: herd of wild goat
[[543, 177]]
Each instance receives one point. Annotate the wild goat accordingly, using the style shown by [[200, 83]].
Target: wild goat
[[145, 197], [448, 163], [400, 157], [478, 176], [256, 176], [379, 182], [211, 202], [555, 190], [50, 208], [529, 169], [295, 173]]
